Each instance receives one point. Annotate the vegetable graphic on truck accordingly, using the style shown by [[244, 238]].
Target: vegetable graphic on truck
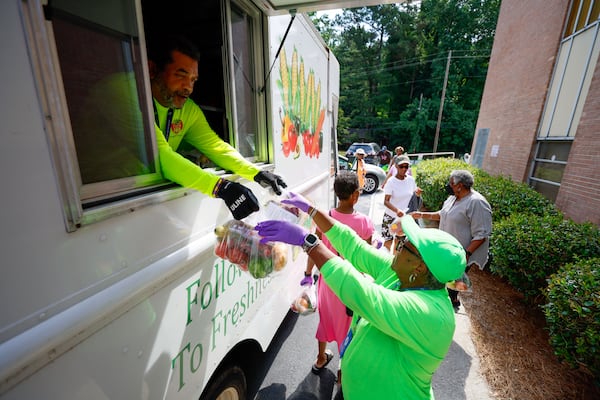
[[302, 115]]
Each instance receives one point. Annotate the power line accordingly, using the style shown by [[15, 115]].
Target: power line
[[366, 70], [413, 81], [437, 56]]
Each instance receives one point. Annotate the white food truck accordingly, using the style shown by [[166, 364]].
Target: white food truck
[[110, 286]]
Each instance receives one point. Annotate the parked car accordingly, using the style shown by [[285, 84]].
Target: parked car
[[370, 148], [374, 176]]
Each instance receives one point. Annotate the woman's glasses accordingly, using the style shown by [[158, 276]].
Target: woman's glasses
[[403, 166], [402, 245]]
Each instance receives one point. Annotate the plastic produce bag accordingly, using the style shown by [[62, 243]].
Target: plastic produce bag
[[306, 302], [377, 242], [239, 243], [462, 284]]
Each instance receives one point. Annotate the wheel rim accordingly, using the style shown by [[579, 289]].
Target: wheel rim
[[369, 184], [229, 394]]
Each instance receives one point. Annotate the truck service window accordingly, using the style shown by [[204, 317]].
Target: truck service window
[[101, 67]]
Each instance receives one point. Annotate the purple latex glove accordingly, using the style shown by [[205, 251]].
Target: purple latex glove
[[281, 231], [307, 281], [297, 200]]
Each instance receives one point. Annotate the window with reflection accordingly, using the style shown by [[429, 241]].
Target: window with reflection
[[242, 28], [100, 62]]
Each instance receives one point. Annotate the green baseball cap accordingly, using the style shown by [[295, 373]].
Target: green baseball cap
[[443, 254]]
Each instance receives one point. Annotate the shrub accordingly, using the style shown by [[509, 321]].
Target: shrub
[[508, 197], [572, 314], [432, 176], [528, 248], [505, 196]]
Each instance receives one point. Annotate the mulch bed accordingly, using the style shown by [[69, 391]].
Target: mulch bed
[[515, 356]]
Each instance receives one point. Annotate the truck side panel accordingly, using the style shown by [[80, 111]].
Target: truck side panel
[[137, 305]]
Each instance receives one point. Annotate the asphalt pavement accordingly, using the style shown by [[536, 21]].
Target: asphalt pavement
[[288, 376]]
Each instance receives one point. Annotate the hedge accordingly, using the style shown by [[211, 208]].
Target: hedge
[[432, 176], [528, 248], [572, 314]]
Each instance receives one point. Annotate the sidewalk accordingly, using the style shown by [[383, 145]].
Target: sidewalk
[[458, 377]]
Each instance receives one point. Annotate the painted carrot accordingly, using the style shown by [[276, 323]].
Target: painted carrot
[[316, 143], [320, 121]]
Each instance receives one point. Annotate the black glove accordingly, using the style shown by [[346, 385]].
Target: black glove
[[266, 179], [239, 199]]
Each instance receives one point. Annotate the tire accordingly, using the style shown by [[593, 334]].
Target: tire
[[227, 384], [371, 184]]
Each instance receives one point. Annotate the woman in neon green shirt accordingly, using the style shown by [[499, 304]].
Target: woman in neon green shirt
[[403, 321]]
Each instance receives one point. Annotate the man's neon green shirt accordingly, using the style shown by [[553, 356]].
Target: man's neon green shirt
[[189, 124], [399, 337]]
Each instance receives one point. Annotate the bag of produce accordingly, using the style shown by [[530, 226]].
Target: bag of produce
[[240, 244], [462, 284], [306, 302]]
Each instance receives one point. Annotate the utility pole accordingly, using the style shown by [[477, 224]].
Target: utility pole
[[439, 120]]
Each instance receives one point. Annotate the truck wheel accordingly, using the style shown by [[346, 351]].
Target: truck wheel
[[227, 384], [371, 184]]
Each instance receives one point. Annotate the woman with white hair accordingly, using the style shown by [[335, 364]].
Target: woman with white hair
[[466, 215]]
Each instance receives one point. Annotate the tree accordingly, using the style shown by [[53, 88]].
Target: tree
[[392, 64]]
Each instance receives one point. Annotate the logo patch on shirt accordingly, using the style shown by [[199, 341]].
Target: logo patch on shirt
[[177, 126]]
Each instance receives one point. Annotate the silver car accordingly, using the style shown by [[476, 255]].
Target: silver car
[[374, 176]]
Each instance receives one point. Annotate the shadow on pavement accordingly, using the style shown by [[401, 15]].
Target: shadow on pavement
[[312, 387], [450, 379], [315, 387], [262, 366]]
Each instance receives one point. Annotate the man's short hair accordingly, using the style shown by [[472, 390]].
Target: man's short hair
[[345, 184], [160, 49]]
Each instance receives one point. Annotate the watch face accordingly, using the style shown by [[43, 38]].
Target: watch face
[[311, 239]]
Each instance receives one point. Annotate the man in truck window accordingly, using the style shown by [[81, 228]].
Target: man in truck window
[[173, 64]]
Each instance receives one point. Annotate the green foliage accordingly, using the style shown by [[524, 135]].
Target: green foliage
[[572, 313], [508, 197], [432, 176], [528, 248], [392, 66]]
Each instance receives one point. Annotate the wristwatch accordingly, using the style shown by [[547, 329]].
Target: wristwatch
[[310, 241]]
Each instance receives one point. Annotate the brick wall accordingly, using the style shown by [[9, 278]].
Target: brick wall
[[527, 37], [525, 48]]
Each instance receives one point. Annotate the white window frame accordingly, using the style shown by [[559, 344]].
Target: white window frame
[[259, 97]]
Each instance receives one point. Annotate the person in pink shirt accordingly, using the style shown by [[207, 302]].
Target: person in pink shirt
[[334, 317]]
